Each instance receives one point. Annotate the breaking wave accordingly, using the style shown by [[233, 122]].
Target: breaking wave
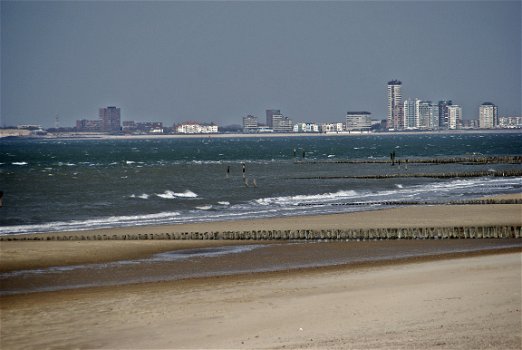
[[103, 222], [172, 195]]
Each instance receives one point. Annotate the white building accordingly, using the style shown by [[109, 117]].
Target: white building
[[410, 115], [306, 127], [332, 127], [196, 128], [488, 118], [424, 114], [510, 122], [454, 117]]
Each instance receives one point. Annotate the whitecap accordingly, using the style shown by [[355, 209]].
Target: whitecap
[[224, 203], [171, 194], [102, 222], [141, 196], [19, 163], [204, 207], [296, 200], [166, 195], [186, 194]]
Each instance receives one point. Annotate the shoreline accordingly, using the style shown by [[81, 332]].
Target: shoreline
[[42, 250], [405, 217], [100, 136]]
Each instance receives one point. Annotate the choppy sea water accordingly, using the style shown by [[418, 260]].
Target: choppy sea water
[[58, 185]]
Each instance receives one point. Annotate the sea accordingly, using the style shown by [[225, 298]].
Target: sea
[[73, 184]]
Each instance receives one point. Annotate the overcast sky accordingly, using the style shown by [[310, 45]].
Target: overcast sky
[[216, 61]]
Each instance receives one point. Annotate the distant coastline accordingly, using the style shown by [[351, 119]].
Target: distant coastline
[[8, 133]]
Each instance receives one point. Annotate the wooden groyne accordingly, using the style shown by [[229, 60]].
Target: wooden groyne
[[391, 233], [451, 160], [405, 203], [508, 173]]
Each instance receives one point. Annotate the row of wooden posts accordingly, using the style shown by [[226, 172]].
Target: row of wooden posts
[[507, 173], [451, 232], [452, 160]]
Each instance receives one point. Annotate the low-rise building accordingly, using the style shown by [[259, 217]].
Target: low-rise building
[[250, 124], [306, 128], [358, 121], [196, 128], [87, 125], [281, 124], [332, 127], [510, 122]]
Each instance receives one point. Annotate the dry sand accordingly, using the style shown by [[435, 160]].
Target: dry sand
[[464, 303], [471, 302]]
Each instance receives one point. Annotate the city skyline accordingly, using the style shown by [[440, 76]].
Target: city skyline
[[221, 61]]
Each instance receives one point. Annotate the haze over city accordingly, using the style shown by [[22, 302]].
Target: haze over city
[[219, 61]]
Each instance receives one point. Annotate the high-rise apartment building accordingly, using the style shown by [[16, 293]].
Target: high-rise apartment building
[[410, 117], [110, 119], [434, 116], [270, 116], [394, 117], [454, 116], [488, 115], [443, 113], [423, 113]]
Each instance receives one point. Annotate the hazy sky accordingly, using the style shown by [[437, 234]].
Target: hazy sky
[[216, 61]]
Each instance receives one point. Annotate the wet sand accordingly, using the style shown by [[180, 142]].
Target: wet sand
[[36, 254], [247, 258]]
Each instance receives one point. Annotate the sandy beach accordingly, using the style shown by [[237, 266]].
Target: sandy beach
[[466, 303], [449, 300]]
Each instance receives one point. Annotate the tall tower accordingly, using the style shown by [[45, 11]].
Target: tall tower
[[488, 115], [110, 119], [394, 117]]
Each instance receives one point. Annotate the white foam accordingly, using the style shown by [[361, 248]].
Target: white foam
[[224, 203], [204, 207], [19, 163], [102, 222], [295, 200], [141, 196], [168, 194]]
